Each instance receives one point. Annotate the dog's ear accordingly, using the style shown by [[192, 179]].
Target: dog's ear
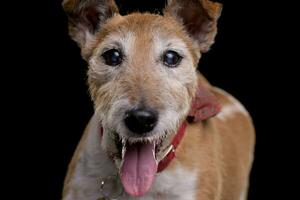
[[204, 105], [199, 18], [86, 17]]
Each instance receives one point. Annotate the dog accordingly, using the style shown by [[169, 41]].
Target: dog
[[160, 130]]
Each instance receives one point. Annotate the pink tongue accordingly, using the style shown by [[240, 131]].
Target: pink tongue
[[138, 169]]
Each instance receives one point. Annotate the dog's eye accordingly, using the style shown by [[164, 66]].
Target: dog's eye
[[171, 58], [112, 57]]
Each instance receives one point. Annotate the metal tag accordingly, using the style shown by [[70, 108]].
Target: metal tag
[[110, 188]]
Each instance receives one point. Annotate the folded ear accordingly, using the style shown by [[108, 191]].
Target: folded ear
[[86, 17], [204, 105], [199, 18]]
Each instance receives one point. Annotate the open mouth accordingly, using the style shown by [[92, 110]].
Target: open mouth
[[139, 163]]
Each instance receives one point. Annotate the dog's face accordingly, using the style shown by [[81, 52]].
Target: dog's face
[[142, 70], [142, 77]]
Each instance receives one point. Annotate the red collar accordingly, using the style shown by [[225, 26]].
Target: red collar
[[172, 151]]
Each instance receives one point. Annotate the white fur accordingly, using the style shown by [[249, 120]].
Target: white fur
[[94, 164], [243, 195], [228, 111], [181, 75], [182, 183], [91, 165], [123, 40], [231, 109]]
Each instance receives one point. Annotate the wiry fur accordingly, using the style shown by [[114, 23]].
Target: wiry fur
[[141, 78], [214, 158]]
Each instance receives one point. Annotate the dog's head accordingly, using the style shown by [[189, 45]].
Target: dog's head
[[142, 75]]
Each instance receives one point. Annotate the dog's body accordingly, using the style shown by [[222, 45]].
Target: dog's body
[[214, 158], [212, 162]]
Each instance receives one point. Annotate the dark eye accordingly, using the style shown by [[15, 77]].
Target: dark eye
[[112, 57], [171, 58]]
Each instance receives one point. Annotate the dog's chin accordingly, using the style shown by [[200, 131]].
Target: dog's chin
[[137, 161]]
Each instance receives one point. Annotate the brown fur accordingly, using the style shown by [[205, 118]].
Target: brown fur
[[221, 149]]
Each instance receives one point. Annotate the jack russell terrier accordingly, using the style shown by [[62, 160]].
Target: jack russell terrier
[[160, 130]]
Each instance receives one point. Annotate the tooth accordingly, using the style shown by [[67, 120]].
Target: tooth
[[154, 154], [123, 148], [123, 141]]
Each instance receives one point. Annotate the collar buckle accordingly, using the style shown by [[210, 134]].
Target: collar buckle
[[166, 152]]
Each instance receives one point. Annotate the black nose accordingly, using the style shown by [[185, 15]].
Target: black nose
[[141, 120]]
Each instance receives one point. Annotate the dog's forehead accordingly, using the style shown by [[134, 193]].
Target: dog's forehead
[[146, 29], [144, 23]]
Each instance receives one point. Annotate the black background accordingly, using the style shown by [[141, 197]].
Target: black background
[[49, 104]]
